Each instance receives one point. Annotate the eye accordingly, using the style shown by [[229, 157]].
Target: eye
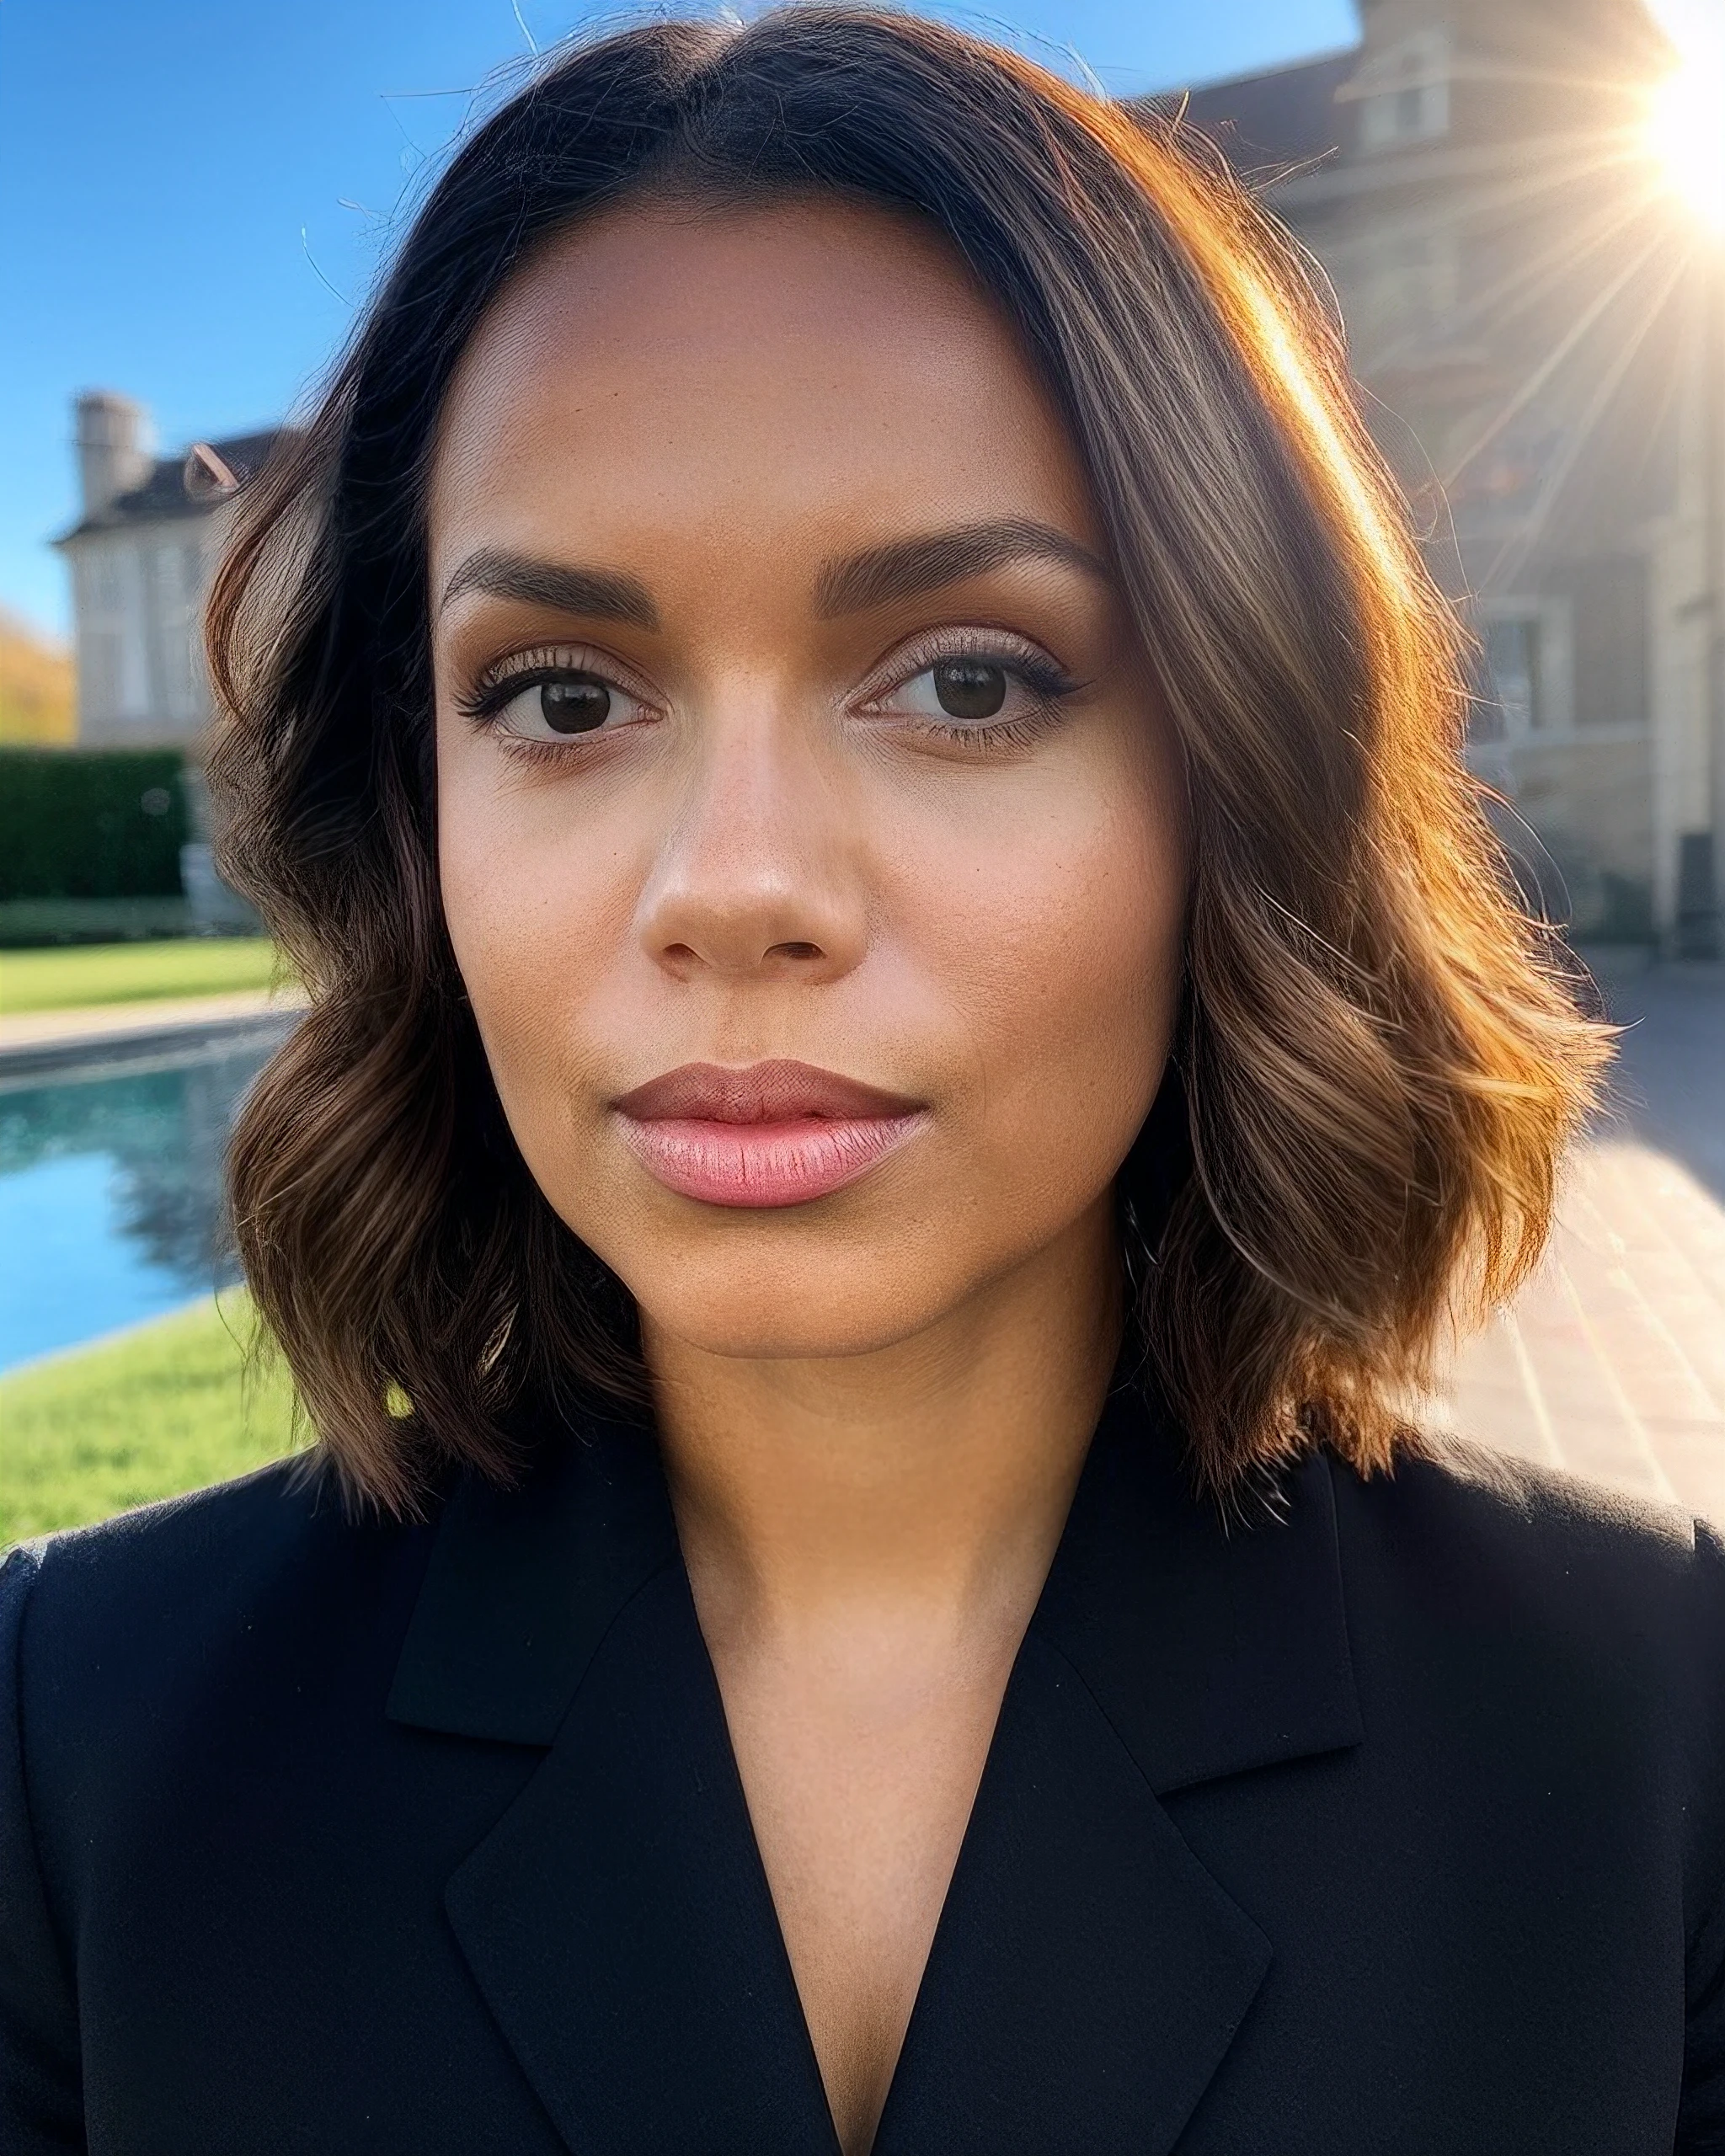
[[553, 700], [563, 702], [575, 704], [987, 687], [958, 688]]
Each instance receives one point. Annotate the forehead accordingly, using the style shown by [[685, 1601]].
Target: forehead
[[815, 364]]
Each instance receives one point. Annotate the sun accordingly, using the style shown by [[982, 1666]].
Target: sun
[[1686, 123]]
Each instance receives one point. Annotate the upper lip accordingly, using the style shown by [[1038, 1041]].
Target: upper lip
[[778, 1091]]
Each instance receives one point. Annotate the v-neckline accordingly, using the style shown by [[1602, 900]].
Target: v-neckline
[[1087, 1973], [775, 1859]]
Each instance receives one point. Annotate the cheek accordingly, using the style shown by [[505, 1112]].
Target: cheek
[[537, 900], [1061, 953]]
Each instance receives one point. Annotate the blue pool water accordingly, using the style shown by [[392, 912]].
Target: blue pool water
[[110, 1194]]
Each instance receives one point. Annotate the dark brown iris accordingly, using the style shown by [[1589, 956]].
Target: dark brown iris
[[574, 703], [970, 688]]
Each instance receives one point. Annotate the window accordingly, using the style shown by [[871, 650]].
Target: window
[[104, 586], [1404, 93], [174, 632], [1530, 658], [1513, 659], [98, 685]]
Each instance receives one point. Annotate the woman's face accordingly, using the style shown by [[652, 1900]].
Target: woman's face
[[811, 844]]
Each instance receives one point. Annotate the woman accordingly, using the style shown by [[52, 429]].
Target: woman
[[914, 1034]]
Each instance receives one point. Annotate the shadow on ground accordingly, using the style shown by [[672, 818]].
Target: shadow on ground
[[1669, 1086]]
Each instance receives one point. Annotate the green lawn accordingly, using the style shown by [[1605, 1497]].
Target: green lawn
[[166, 1408], [64, 979]]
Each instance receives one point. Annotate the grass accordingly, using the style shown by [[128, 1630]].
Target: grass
[[64, 979], [167, 1407]]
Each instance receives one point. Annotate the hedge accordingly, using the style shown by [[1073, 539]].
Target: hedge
[[91, 823]]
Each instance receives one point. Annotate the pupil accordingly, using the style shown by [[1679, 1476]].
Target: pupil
[[970, 688], [574, 703]]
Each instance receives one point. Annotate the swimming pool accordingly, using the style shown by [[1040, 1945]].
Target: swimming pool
[[110, 1190]]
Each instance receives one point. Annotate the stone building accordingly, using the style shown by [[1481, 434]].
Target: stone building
[[1532, 318], [140, 557]]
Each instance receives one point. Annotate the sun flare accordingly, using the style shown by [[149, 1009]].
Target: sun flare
[[1685, 125]]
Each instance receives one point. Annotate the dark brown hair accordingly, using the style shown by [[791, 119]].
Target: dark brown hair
[[1376, 1069]]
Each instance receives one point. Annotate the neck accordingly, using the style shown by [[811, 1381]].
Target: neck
[[929, 1478]]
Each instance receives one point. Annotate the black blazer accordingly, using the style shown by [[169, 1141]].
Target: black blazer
[[1393, 1825]]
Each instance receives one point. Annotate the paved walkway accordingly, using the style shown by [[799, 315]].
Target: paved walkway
[[35, 1037], [1612, 1361]]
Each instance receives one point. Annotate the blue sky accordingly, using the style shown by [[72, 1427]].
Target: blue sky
[[194, 194]]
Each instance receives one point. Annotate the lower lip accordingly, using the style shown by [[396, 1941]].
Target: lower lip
[[765, 1163]]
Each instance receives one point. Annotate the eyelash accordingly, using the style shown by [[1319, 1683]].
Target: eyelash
[[531, 670], [1049, 684]]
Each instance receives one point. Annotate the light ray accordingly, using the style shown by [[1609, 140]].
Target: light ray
[[1565, 347], [1520, 288], [1513, 552]]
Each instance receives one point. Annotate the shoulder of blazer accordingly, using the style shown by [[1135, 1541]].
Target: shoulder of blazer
[[115, 1637], [131, 1653], [1590, 1608], [1513, 1541], [166, 1577]]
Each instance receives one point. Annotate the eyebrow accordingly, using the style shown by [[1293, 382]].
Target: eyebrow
[[901, 569], [602, 595], [909, 566]]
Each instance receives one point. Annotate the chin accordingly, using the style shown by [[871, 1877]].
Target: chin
[[801, 1308]]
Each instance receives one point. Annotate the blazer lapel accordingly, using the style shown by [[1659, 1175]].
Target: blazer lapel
[[1212, 1647], [618, 1920], [1089, 1974], [620, 1925]]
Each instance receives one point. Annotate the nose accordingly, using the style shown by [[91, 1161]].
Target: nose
[[758, 875]]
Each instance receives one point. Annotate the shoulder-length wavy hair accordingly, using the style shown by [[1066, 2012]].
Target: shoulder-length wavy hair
[[1377, 1066]]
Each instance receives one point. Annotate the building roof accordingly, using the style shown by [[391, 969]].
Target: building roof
[[165, 493], [1286, 118]]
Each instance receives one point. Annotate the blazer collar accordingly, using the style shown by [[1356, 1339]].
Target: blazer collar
[[1089, 1974], [523, 1584], [1164, 1652], [1211, 1649]]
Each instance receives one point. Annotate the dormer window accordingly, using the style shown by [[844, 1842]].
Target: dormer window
[[1403, 94]]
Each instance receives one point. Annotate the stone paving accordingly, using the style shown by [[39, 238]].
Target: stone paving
[[28, 1032], [1611, 1363]]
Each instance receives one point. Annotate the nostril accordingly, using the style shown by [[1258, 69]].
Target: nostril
[[794, 950]]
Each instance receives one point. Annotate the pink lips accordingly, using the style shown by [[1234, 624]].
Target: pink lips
[[772, 1133]]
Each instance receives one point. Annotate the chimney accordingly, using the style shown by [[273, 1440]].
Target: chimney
[[112, 456]]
